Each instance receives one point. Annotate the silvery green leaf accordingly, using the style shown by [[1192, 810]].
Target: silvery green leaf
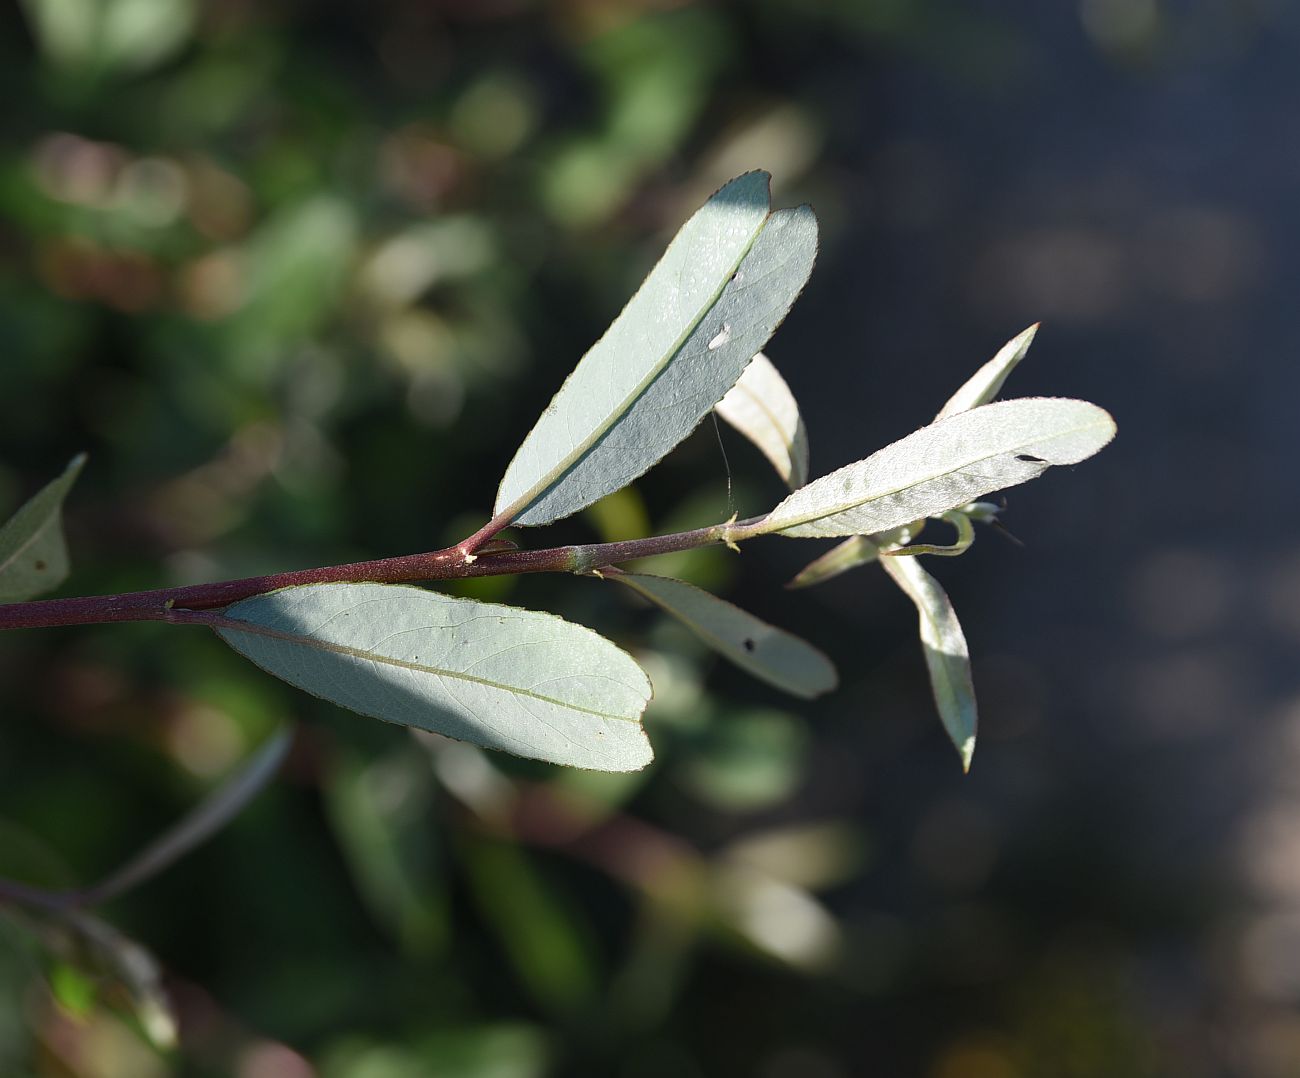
[[768, 653], [516, 680], [986, 383], [854, 551], [946, 654], [763, 409], [33, 554], [944, 466], [717, 295]]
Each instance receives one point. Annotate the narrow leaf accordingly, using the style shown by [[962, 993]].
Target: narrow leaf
[[770, 654], [763, 409], [854, 551], [33, 554], [717, 295], [986, 383], [944, 466], [965, 537], [516, 680], [207, 818], [946, 654]]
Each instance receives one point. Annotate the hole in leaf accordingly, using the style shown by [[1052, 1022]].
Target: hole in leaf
[[1029, 458], [749, 645], [39, 567]]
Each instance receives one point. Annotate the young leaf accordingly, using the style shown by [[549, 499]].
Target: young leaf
[[763, 409], [517, 680], [965, 537], [770, 654], [944, 466], [33, 554], [717, 295], [854, 551], [946, 654], [986, 383]]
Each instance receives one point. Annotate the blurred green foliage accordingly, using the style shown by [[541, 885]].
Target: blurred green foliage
[[298, 277]]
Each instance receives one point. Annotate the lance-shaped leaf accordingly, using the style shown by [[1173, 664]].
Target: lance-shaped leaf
[[944, 466], [854, 551], [206, 819], [986, 383], [33, 554], [721, 289], [517, 680], [763, 409], [946, 654], [770, 654]]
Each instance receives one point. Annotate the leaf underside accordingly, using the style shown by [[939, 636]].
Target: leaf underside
[[768, 653], [723, 286], [986, 383], [854, 551], [946, 655], [516, 680], [764, 410], [945, 465]]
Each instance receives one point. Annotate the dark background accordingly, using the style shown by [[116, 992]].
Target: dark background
[[300, 277]]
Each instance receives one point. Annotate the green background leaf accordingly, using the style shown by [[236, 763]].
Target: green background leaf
[[516, 680], [33, 553]]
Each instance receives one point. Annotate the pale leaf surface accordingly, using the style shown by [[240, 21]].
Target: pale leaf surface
[[516, 680], [764, 410], [965, 537], [854, 551], [944, 466], [713, 300], [986, 383], [768, 653], [946, 654]]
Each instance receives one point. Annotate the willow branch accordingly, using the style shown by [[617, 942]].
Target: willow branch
[[451, 563]]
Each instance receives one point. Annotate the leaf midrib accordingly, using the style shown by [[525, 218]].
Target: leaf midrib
[[358, 653], [548, 480], [782, 678], [774, 422], [723, 645], [844, 508]]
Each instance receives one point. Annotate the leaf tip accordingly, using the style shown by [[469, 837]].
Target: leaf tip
[[831, 682], [752, 181], [966, 750]]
